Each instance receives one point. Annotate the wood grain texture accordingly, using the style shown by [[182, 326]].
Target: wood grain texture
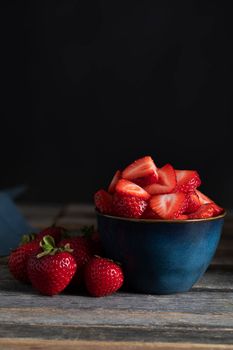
[[204, 315], [41, 216], [38, 344], [199, 319]]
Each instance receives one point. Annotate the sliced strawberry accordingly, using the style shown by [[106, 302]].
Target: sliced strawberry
[[114, 181], [193, 202], [139, 168], [182, 217], [217, 209], [206, 200], [187, 180], [169, 206], [203, 198], [166, 181], [205, 211], [146, 180], [129, 188], [103, 201], [128, 206], [150, 214]]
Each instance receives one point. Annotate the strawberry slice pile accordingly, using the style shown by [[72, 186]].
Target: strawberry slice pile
[[144, 191]]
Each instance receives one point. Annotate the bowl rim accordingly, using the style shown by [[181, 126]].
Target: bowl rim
[[213, 218]]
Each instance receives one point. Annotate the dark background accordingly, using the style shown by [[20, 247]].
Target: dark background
[[89, 86]]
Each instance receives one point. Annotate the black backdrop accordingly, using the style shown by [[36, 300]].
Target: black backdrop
[[88, 86]]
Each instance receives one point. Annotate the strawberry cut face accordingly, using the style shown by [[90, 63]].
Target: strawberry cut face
[[187, 180], [146, 180], [129, 188], [140, 168], [114, 181], [193, 202], [203, 198], [166, 181], [169, 206]]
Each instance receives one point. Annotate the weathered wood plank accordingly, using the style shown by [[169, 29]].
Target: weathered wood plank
[[79, 209], [216, 277], [192, 316], [120, 333], [38, 344], [202, 317], [40, 216], [74, 223]]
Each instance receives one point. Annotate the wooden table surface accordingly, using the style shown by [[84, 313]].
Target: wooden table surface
[[199, 319]]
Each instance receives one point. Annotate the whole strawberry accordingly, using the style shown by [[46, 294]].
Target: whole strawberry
[[93, 239], [52, 269], [18, 258], [103, 276], [54, 231], [82, 253]]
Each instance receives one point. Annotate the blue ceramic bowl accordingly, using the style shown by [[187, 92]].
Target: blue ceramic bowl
[[160, 256]]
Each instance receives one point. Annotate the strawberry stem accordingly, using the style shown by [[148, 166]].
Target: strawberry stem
[[87, 230], [49, 247], [27, 238]]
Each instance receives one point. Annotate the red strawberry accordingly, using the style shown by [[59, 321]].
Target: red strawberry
[[52, 270], [193, 202], [146, 180], [217, 210], [187, 180], [140, 168], [130, 188], [129, 200], [93, 238], [53, 231], [103, 201], [18, 260], [150, 214], [205, 200], [82, 253], [182, 217], [166, 181], [169, 206], [128, 206], [116, 178], [103, 276], [204, 211]]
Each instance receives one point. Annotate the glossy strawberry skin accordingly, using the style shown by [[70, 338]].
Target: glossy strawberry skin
[[103, 277], [206, 200], [82, 253], [51, 274], [103, 201], [187, 180], [53, 231], [193, 202], [128, 206], [18, 260], [217, 209], [204, 211]]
